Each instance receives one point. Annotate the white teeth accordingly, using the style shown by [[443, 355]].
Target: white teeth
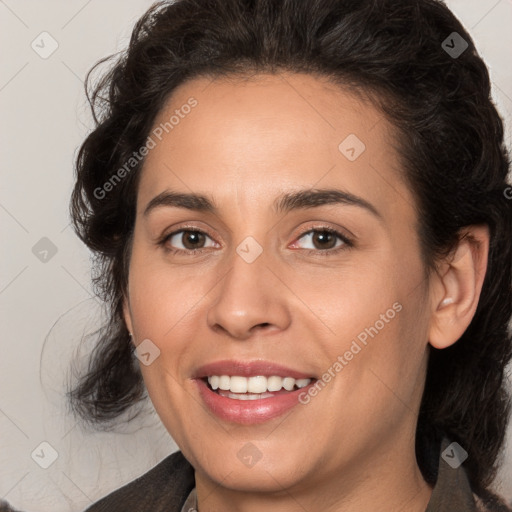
[[224, 382], [302, 383], [288, 383], [214, 381], [274, 383], [238, 385], [254, 386], [245, 396]]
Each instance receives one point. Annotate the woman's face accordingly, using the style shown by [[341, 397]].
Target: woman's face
[[307, 266]]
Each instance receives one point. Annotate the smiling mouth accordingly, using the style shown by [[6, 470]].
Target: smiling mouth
[[257, 387]]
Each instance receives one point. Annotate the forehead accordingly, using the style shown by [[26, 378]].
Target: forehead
[[270, 133]]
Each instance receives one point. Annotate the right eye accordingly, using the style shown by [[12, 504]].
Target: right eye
[[186, 241]]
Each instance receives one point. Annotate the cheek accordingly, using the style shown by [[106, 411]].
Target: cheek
[[350, 299], [380, 324], [162, 298], [394, 358], [163, 304]]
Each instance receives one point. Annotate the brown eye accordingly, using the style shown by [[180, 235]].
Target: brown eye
[[324, 239], [192, 239], [187, 240]]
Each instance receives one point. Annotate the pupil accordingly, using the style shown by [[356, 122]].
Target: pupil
[[191, 238], [322, 237]]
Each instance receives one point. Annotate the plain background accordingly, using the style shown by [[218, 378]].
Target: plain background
[[47, 305]]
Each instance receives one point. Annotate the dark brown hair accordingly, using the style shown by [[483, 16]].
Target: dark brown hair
[[450, 142]]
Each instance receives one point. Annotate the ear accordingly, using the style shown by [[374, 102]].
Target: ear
[[457, 286]]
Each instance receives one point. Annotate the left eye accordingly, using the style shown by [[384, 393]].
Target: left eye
[[188, 240], [323, 239]]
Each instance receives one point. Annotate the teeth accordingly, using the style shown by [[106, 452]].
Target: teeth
[[238, 385], [254, 386], [224, 382], [214, 381], [274, 383], [288, 383], [245, 396], [302, 383]]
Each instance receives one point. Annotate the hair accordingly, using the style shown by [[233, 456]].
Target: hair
[[450, 141]]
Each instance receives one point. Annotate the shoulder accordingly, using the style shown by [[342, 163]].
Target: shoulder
[[163, 488], [492, 503], [452, 490]]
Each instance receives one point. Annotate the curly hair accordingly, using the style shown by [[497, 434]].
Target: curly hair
[[450, 143]]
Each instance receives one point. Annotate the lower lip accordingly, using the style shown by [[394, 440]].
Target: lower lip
[[248, 412]]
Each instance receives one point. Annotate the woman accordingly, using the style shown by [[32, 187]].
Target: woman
[[300, 216]]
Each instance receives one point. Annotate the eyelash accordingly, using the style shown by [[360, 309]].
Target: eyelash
[[347, 243]]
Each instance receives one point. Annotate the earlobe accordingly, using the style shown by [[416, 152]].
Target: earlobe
[[457, 290]]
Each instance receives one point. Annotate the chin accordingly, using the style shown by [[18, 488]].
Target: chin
[[261, 478]]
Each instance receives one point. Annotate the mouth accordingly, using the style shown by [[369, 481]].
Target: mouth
[[250, 393], [258, 387]]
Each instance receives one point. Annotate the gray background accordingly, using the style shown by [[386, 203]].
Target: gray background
[[45, 297]]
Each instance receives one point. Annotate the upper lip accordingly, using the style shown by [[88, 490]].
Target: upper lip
[[248, 369]]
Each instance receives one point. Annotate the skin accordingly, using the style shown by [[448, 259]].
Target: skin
[[351, 448]]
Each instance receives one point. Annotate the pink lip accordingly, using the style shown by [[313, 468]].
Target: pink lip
[[248, 369], [248, 412]]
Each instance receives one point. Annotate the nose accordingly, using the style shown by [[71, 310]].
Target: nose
[[249, 299]]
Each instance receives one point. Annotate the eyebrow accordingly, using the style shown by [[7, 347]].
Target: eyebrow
[[302, 199]]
